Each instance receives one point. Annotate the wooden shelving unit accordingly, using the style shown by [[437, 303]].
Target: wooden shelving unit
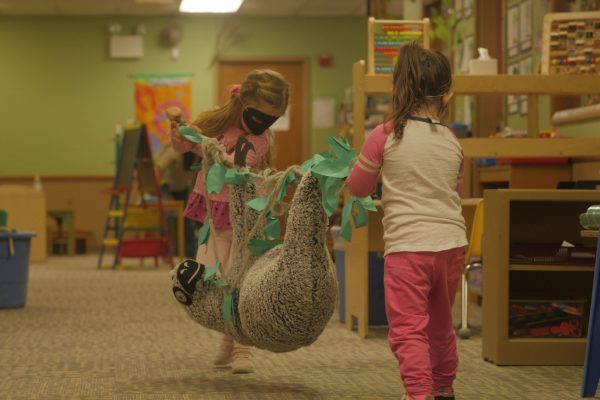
[[531, 217], [367, 239]]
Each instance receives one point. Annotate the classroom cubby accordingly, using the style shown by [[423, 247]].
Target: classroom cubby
[[526, 265]]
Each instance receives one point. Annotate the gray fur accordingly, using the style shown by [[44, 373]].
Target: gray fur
[[288, 294]]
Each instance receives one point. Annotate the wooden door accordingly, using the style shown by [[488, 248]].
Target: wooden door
[[291, 144]]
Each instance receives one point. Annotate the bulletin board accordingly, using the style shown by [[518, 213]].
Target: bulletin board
[[385, 38]]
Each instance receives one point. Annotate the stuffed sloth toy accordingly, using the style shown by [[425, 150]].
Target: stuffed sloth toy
[[287, 295]]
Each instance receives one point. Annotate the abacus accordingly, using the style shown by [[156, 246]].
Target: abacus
[[386, 37], [571, 43]]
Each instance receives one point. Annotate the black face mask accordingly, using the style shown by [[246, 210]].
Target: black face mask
[[257, 121]]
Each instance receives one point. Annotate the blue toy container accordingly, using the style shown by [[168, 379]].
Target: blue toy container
[[338, 255], [14, 268], [376, 292]]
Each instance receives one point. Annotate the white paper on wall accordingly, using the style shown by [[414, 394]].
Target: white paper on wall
[[283, 123], [323, 112]]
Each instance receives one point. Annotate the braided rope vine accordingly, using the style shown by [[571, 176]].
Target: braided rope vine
[[329, 168]]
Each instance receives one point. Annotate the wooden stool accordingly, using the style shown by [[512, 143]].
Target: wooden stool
[[65, 217]]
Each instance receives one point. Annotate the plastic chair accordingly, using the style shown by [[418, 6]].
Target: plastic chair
[[473, 256]]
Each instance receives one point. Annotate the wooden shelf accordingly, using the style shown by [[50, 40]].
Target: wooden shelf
[[503, 84], [590, 233], [356, 253], [530, 147], [551, 268], [547, 340], [521, 216]]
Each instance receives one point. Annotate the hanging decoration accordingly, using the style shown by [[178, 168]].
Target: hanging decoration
[[154, 94]]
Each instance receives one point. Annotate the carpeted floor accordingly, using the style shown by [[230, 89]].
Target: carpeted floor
[[89, 334]]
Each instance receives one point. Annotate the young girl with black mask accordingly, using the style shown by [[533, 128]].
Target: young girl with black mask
[[252, 108]]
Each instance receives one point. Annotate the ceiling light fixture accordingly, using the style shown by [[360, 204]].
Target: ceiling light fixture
[[210, 6]]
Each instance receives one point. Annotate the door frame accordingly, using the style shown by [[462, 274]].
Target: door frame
[[304, 65]]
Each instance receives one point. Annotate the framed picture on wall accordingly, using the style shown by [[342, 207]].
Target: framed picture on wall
[[512, 31], [525, 22], [525, 68], [512, 102]]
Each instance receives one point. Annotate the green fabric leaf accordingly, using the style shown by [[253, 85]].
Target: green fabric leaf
[[191, 135], [332, 167], [346, 226], [307, 165], [272, 228], [229, 306], [367, 202], [210, 274], [341, 149], [258, 247], [257, 204], [215, 179], [233, 176], [329, 191], [196, 167], [359, 215], [288, 180], [204, 232]]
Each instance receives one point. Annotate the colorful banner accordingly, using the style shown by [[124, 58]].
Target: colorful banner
[[154, 94]]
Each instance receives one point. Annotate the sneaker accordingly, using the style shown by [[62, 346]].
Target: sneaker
[[225, 353], [242, 362], [444, 394]]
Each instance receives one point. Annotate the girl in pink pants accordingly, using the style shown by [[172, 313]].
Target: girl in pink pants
[[421, 163]]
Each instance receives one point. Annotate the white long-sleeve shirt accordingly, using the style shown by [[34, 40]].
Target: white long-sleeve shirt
[[421, 175]]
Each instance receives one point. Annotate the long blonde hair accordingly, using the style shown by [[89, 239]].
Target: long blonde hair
[[261, 86]]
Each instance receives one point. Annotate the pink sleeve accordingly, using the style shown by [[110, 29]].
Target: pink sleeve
[[363, 176]]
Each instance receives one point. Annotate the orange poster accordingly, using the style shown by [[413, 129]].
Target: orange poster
[[154, 94]]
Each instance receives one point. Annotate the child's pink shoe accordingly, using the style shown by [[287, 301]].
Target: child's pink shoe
[[225, 353]]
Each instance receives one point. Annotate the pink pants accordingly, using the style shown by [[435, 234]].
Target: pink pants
[[419, 291]]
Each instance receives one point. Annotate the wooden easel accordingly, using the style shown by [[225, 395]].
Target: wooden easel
[[134, 162]]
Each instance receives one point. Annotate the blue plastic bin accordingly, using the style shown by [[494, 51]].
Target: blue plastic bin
[[376, 292], [14, 268], [338, 255]]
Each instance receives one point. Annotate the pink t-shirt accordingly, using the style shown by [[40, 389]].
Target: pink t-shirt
[[219, 203], [229, 138]]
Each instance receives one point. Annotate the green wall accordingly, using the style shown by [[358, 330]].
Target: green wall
[[60, 95]]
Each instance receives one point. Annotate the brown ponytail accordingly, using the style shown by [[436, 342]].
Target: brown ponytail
[[421, 78]]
